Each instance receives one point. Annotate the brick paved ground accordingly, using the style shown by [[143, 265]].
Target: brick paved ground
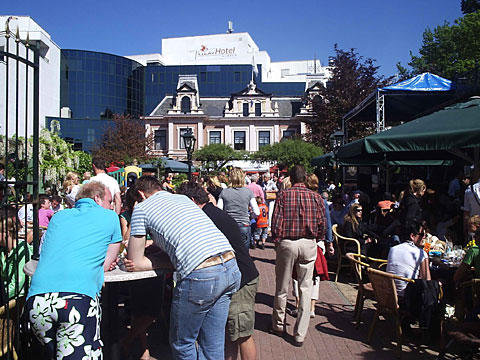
[[331, 335]]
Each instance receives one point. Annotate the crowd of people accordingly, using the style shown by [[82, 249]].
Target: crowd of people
[[202, 230]]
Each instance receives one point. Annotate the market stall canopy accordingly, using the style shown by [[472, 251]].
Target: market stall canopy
[[405, 100], [440, 136], [174, 166], [328, 160]]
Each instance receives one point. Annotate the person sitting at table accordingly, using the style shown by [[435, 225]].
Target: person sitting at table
[[63, 304], [13, 261], [353, 227], [471, 258], [408, 259]]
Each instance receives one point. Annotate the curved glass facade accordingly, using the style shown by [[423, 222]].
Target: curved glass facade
[[97, 85]]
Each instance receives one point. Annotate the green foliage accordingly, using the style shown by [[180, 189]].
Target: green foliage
[[214, 156], [179, 179], [289, 152], [353, 79], [449, 50], [55, 158], [470, 6], [84, 162]]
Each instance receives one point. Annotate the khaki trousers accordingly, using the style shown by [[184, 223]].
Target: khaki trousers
[[300, 254]]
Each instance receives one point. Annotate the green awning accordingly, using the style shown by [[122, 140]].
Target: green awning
[[432, 137], [328, 160]]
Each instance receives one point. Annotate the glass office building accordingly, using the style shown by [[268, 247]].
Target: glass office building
[[98, 85]]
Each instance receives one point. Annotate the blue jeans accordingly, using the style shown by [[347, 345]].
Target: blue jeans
[[199, 311], [246, 232]]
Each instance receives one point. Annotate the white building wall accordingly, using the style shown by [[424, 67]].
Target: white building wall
[[49, 95]]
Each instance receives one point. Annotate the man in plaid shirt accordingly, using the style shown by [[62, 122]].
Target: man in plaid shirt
[[298, 223]]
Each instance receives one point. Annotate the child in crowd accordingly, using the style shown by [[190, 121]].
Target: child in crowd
[[45, 212], [56, 203], [261, 229]]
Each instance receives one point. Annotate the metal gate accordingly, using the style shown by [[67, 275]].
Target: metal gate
[[19, 185]]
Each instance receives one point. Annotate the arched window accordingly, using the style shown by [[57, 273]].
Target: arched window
[[185, 106]]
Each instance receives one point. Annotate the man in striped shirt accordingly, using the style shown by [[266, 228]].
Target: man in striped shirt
[[298, 223], [203, 259]]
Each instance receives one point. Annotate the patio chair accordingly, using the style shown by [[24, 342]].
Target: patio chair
[[341, 241], [387, 301], [7, 326], [365, 291]]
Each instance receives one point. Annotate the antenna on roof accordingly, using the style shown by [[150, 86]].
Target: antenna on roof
[[230, 27]]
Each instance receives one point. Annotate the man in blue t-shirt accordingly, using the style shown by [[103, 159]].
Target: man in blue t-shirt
[[63, 304]]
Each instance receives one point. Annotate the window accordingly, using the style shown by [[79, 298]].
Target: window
[[296, 106], [90, 135], [239, 140], [263, 138], [288, 134], [185, 105], [245, 109], [215, 137], [258, 109], [160, 139]]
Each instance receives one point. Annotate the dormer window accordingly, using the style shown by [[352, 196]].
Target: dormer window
[[246, 110], [186, 105], [258, 109]]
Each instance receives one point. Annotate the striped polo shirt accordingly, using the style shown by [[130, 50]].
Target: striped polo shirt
[[180, 228]]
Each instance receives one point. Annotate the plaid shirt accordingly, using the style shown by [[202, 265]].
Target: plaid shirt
[[298, 213]]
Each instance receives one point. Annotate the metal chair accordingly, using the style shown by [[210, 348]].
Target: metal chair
[[341, 241], [387, 301], [365, 291]]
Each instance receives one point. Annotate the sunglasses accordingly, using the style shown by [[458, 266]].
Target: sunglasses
[[358, 210]]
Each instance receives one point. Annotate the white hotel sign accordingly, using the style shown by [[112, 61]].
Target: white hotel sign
[[215, 52]]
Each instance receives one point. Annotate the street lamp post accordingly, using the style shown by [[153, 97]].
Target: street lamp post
[[336, 140], [189, 142]]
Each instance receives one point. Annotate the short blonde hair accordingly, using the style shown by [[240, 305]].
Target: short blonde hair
[[237, 177], [312, 182]]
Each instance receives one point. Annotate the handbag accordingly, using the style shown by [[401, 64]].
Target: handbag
[[270, 195]]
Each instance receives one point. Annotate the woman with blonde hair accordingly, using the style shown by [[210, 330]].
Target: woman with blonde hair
[[214, 187], [70, 188], [236, 200], [410, 208], [354, 227]]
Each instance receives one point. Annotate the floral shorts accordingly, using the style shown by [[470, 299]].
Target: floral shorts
[[67, 324]]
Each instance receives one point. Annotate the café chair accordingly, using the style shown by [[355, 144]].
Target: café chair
[[460, 308], [365, 291], [341, 241], [385, 294], [7, 326]]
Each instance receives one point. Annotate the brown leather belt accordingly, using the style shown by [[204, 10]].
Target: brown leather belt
[[216, 260]]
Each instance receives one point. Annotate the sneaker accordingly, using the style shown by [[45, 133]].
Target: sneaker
[[261, 246], [253, 246], [312, 314]]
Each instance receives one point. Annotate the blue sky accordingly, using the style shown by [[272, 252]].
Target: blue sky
[[386, 30]]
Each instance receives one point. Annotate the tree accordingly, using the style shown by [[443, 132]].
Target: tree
[[215, 156], [289, 152], [353, 78], [124, 141], [470, 6], [448, 50]]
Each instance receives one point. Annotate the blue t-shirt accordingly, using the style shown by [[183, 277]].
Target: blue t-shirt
[[74, 250]]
